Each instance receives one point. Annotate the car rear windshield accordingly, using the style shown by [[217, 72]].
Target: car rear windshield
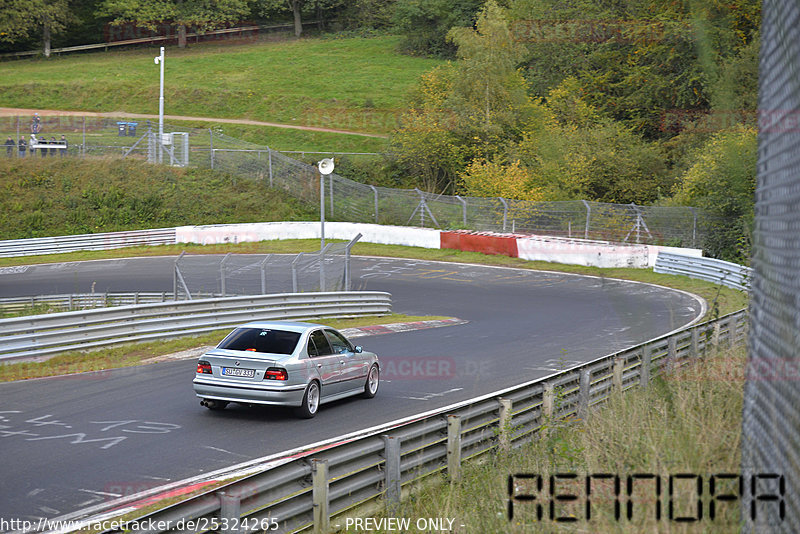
[[261, 340]]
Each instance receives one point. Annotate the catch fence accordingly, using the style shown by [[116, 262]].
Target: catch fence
[[347, 200], [327, 269]]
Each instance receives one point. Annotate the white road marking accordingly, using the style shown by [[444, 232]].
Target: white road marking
[[429, 396], [102, 493]]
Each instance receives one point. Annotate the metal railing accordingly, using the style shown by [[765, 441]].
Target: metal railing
[[83, 301], [72, 243], [306, 490], [717, 271], [42, 335]]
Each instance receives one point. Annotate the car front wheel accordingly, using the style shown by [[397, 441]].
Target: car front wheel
[[373, 381], [310, 405]]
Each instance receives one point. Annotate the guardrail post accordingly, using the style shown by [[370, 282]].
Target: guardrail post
[[504, 437], [732, 331], [230, 511], [584, 393], [454, 448], [696, 342], [319, 496], [619, 367], [672, 352], [644, 366], [715, 335], [375, 194], [548, 401], [391, 453]]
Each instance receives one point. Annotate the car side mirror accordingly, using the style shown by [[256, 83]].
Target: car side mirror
[[359, 349]]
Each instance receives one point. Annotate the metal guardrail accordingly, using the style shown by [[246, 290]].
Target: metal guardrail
[[82, 301], [72, 243], [305, 490], [42, 335], [717, 271]]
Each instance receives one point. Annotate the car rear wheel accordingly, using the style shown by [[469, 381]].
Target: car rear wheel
[[373, 381], [310, 405]]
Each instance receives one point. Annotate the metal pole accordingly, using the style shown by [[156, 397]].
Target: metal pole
[[222, 274], [264, 274], [269, 155], [321, 211], [505, 212], [463, 210], [588, 215], [211, 140], [347, 261], [375, 191], [83, 144], [161, 107], [330, 191]]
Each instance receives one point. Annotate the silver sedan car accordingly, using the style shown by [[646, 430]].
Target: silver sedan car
[[301, 365]]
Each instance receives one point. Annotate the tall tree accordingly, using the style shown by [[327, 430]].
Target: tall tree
[[18, 18], [204, 14]]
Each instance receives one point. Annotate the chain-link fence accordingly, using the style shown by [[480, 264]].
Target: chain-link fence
[[771, 419], [328, 269], [347, 200]]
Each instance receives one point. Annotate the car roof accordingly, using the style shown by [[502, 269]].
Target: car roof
[[291, 326]]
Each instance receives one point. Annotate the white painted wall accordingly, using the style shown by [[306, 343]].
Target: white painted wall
[[371, 233]]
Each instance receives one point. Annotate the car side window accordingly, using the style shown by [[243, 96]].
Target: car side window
[[318, 344], [338, 342]]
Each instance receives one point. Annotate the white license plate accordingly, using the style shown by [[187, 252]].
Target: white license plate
[[232, 371]]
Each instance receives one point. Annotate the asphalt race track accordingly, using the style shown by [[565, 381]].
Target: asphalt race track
[[71, 442]]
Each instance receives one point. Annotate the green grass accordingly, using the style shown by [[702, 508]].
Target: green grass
[[131, 354], [354, 84], [54, 196], [686, 422]]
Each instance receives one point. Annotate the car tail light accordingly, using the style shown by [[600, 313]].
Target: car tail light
[[276, 373], [203, 367]]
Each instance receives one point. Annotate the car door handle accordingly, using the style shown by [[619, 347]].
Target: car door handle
[[342, 362], [319, 366]]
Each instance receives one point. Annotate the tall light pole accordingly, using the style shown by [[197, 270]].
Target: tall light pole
[[325, 167], [160, 61]]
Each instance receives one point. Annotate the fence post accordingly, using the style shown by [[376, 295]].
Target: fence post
[[696, 342], [463, 210], [644, 366], [588, 217], [322, 280], [264, 274], [330, 192], [319, 496], [375, 192], [294, 272], [211, 140], [391, 453], [349, 246], [505, 212], [454, 448], [222, 274], [715, 335], [269, 158], [585, 393], [619, 367], [504, 437], [230, 511], [672, 352]]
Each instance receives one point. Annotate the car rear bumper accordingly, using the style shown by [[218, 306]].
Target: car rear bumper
[[286, 396]]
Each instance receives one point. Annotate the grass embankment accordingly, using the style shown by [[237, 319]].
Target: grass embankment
[[685, 423], [352, 84], [55, 196]]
